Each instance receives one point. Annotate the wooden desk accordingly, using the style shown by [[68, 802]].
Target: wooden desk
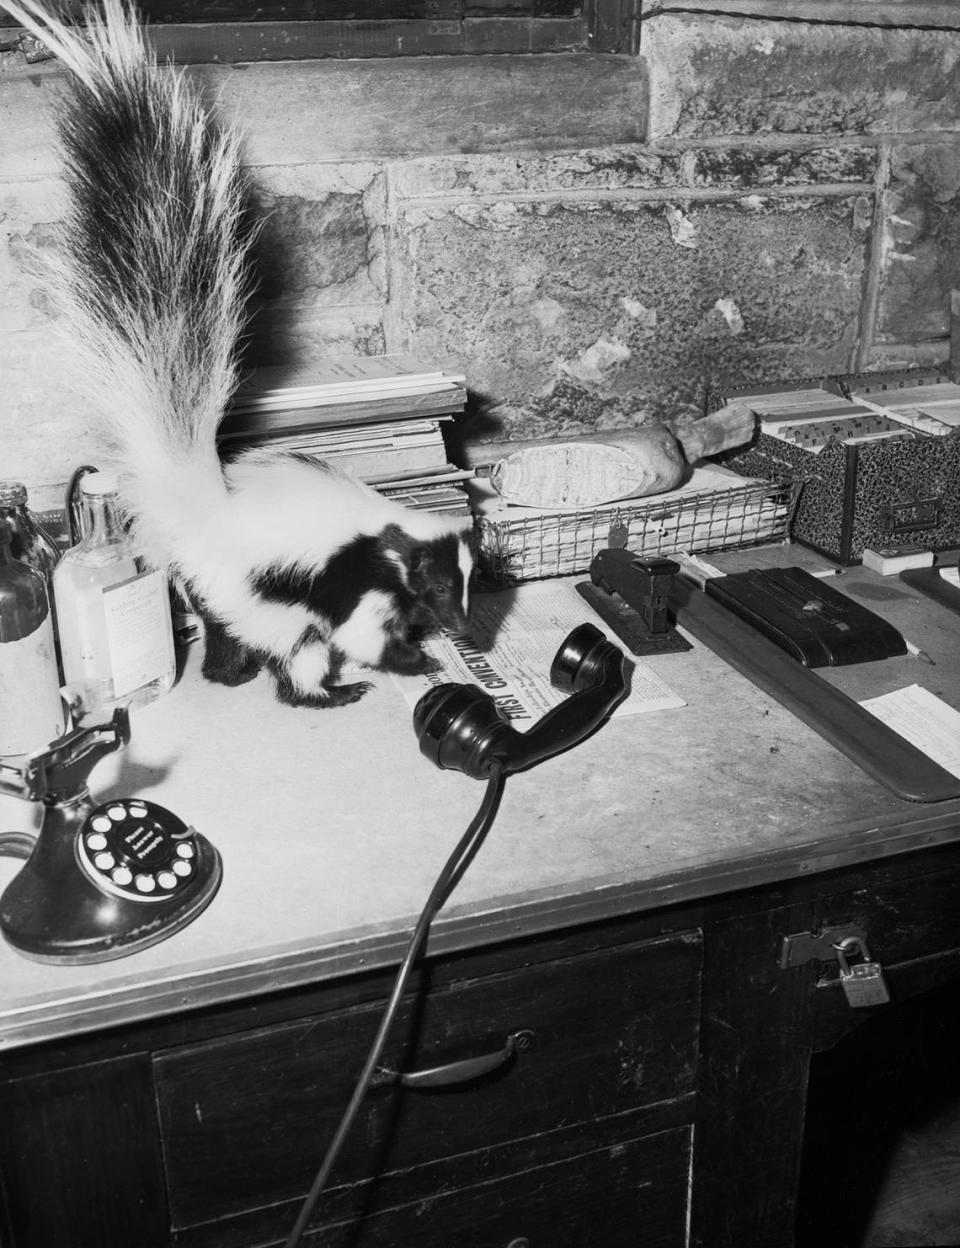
[[626, 917]]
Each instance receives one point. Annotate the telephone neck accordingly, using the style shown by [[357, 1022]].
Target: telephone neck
[[575, 718]]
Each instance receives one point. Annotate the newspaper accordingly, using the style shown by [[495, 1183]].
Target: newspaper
[[513, 638]]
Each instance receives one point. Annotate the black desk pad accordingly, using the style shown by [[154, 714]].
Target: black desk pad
[[807, 617]]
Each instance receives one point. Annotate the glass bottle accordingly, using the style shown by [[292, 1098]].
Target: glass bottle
[[29, 541], [31, 709], [116, 639]]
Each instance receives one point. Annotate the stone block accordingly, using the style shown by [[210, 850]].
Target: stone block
[[28, 211], [571, 316], [775, 165], [307, 112], [723, 76], [44, 426], [320, 262], [921, 244], [26, 121], [45, 429], [323, 289], [581, 171]]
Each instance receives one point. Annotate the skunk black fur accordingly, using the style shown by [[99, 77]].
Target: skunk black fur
[[290, 565]]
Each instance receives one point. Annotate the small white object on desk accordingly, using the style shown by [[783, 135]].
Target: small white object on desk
[[917, 652], [695, 569], [890, 562]]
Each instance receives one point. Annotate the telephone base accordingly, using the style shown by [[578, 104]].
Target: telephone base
[[106, 882], [129, 934]]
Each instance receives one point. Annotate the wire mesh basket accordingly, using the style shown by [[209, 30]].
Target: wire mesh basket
[[530, 546]]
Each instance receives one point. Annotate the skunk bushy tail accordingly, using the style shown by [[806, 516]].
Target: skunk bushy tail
[[290, 565], [151, 274]]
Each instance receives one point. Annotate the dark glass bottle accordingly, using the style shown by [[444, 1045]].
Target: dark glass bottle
[[31, 709], [29, 541]]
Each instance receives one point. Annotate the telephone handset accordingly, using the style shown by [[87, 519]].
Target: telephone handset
[[461, 726], [100, 881]]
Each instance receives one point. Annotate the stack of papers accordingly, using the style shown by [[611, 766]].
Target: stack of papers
[[379, 418]]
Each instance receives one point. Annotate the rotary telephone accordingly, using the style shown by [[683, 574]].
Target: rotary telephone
[[100, 881], [103, 881]]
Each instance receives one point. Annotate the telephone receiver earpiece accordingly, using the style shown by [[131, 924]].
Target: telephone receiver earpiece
[[461, 727]]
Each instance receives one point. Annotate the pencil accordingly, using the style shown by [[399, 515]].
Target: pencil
[[918, 653]]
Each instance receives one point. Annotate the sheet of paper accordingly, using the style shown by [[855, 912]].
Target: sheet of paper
[[925, 720], [508, 651]]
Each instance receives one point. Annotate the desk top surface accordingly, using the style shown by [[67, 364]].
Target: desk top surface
[[332, 827]]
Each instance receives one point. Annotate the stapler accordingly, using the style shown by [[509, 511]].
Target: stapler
[[631, 593]]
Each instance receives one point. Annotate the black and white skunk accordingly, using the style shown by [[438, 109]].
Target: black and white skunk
[[289, 564]]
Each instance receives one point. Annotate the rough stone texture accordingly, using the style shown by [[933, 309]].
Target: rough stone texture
[[921, 243], [621, 168], [755, 168], [792, 208], [595, 314], [726, 76], [323, 288], [42, 428], [322, 282]]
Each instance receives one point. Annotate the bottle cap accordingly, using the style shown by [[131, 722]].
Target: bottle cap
[[97, 484]]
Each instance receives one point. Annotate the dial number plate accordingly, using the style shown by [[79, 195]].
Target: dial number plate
[[138, 850]]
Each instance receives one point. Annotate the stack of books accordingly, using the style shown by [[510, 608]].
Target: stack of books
[[379, 418]]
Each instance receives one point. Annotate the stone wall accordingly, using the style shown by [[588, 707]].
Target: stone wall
[[595, 240]]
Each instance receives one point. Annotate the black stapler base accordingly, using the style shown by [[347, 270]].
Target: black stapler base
[[631, 594]]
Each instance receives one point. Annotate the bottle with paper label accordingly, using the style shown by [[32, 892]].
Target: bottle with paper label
[[31, 709], [116, 637]]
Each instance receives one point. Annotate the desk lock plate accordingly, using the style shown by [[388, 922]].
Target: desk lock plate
[[805, 947], [863, 983]]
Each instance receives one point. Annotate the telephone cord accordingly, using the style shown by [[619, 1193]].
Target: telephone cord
[[17, 844], [450, 875]]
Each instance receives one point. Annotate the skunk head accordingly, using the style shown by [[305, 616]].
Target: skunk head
[[438, 572]]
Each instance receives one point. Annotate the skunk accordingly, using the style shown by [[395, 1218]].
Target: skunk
[[289, 564]]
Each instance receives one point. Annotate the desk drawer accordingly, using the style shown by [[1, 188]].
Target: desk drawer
[[634, 1193], [245, 1120]]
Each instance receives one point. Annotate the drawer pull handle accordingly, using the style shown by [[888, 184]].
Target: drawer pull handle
[[457, 1072]]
